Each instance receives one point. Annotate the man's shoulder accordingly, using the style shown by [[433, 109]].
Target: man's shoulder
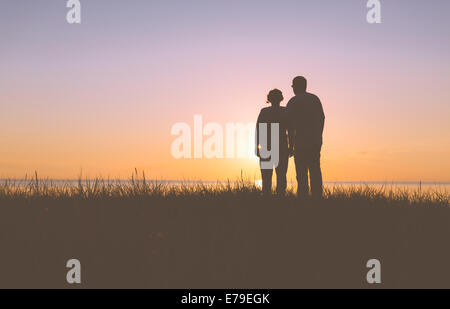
[[312, 97]]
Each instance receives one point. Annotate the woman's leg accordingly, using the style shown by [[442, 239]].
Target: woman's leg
[[266, 176], [281, 173]]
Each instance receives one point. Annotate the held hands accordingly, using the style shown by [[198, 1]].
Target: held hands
[[258, 147]]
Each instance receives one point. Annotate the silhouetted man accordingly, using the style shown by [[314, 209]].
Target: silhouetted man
[[307, 120]]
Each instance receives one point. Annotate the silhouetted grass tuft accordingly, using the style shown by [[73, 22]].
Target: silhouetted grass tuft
[[100, 189]]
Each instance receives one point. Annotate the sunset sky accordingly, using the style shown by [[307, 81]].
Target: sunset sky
[[101, 96]]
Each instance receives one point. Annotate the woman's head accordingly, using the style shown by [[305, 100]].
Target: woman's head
[[274, 97]]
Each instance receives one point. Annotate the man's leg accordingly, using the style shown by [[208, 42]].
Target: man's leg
[[302, 175], [315, 173], [281, 174]]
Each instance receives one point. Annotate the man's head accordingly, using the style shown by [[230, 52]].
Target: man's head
[[299, 85], [274, 97]]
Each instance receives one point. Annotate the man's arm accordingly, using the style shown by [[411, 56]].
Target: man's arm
[[321, 117]]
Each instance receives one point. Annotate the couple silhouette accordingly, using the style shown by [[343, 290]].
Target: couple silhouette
[[301, 125]]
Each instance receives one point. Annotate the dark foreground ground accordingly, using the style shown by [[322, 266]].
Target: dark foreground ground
[[227, 239]]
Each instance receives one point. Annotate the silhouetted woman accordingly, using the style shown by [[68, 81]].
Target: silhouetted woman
[[270, 115]]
